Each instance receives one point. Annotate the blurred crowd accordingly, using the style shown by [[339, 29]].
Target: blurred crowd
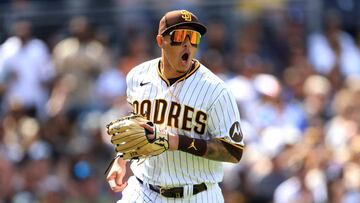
[[297, 86]]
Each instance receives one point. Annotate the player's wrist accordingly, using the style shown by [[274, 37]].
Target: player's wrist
[[121, 161], [173, 141], [193, 146]]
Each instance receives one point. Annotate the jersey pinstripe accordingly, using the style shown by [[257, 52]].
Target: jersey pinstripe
[[197, 105]]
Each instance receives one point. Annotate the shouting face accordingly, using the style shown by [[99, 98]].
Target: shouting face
[[178, 49]]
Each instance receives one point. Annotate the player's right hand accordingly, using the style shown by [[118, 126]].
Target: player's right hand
[[116, 175]]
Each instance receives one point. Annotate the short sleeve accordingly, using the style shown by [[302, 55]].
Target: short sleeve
[[224, 119]]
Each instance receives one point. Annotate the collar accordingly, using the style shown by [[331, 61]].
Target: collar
[[195, 66]]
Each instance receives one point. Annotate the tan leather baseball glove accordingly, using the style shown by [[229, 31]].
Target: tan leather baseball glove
[[136, 137]]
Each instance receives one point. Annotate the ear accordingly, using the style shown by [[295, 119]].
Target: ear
[[159, 40]]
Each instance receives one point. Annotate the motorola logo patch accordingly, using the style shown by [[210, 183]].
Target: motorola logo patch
[[235, 132]]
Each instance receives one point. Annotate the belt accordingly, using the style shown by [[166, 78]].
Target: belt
[[174, 192]]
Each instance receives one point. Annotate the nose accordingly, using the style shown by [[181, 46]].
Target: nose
[[186, 42]]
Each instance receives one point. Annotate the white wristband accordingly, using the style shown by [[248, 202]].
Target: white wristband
[[112, 183]]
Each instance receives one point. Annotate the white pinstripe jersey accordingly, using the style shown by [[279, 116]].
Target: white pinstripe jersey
[[197, 105]]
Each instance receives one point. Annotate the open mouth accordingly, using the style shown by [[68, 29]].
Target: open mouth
[[185, 57]]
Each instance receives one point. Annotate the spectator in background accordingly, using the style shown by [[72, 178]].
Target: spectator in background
[[344, 124], [248, 57], [333, 52], [7, 173], [110, 87], [298, 68], [268, 183], [295, 188], [26, 71], [135, 51], [213, 59], [36, 171], [317, 98], [246, 62], [272, 109], [217, 38], [84, 186], [79, 59]]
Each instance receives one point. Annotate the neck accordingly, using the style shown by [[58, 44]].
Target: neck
[[169, 71]]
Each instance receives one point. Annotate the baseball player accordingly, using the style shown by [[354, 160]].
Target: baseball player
[[196, 111]]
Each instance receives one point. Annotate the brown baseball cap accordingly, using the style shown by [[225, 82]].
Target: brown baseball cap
[[176, 18]]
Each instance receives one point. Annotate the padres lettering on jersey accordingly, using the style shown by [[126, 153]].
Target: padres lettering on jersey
[[197, 105], [179, 116]]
